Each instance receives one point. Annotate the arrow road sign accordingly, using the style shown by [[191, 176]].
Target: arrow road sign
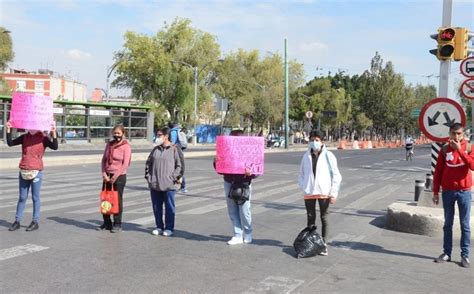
[[435, 126], [467, 88]]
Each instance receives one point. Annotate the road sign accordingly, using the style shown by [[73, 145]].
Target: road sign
[[415, 113], [438, 115], [467, 88], [467, 67], [328, 113], [309, 114]]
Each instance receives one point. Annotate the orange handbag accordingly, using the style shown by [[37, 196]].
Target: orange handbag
[[109, 201]]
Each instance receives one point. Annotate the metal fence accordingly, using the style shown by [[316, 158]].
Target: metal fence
[[76, 121]]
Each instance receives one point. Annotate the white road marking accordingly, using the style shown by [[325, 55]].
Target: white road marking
[[20, 250], [273, 284]]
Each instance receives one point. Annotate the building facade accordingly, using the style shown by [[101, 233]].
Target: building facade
[[46, 83]]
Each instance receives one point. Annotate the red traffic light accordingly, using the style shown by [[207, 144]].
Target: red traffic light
[[447, 34]]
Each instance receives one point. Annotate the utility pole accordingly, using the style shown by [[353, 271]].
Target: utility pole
[[445, 65], [286, 96]]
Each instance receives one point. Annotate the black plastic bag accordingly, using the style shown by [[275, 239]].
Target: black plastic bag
[[309, 243]]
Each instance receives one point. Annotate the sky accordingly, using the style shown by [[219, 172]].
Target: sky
[[79, 38]]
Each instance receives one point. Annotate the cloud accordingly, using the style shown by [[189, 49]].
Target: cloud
[[314, 47], [77, 54]]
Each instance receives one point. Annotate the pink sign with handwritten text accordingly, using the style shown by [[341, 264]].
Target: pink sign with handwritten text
[[32, 112], [236, 153]]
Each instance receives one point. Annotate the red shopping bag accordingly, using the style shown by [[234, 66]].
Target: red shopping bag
[[109, 201]]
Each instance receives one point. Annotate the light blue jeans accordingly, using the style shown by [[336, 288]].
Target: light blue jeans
[[463, 198], [25, 186], [239, 215]]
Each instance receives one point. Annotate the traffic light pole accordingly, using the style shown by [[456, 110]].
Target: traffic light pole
[[445, 65]]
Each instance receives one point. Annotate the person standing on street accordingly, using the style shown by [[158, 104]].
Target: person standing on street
[[319, 178], [162, 171], [453, 175], [33, 145], [115, 162], [239, 213]]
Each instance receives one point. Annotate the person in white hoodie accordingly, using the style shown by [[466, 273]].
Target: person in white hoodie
[[319, 178]]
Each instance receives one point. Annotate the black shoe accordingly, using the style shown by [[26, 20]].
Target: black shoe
[[104, 227], [33, 226], [116, 229], [465, 262], [14, 226], [442, 258]]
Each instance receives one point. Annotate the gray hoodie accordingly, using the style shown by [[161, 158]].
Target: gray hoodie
[[162, 168]]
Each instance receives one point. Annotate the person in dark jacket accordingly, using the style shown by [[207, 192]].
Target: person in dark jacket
[[239, 214], [162, 171], [33, 145]]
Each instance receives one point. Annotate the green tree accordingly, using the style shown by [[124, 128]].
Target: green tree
[[160, 68], [6, 56]]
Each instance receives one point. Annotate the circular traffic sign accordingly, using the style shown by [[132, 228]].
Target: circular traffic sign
[[467, 67], [309, 114], [438, 115], [467, 88]]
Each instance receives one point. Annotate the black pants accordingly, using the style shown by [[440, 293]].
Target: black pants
[[119, 185], [311, 214]]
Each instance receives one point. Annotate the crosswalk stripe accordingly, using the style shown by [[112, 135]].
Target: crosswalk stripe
[[20, 250]]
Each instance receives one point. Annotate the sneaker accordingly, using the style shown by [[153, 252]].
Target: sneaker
[[324, 252], [184, 190], [33, 226], [442, 258], [248, 238], [116, 229], [14, 226], [235, 241], [157, 232], [465, 262], [104, 227], [167, 233]]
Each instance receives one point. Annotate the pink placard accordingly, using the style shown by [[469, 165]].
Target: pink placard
[[235, 153], [31, 112]]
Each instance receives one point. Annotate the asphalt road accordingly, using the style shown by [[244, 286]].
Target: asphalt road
[[66, 255]]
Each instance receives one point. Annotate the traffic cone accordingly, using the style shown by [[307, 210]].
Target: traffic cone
[[355, 144]]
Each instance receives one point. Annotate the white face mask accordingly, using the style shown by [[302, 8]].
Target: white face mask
[[315, 145], [159, 141]]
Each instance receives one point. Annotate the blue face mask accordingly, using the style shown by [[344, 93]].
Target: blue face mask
[[315, 145]]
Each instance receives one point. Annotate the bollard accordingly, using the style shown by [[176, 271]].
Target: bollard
[[429, 181], [419, 185]]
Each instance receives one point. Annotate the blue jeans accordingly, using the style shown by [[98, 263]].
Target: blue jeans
[[463, 199], [183, 184], [157, 200], [25, 186], [239, 215]]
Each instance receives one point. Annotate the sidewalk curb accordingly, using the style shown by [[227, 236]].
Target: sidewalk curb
[[12, 163]]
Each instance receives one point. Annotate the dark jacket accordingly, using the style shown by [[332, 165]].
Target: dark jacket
[[162, 168]]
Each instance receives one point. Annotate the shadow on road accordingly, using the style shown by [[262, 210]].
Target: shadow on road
[[374, 248], [76, 223], [4, 223]]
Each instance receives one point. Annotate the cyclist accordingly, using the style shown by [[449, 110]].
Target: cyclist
[[409, 146]]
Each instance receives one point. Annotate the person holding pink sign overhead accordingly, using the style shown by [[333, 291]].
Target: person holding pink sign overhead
[[33, 145], [238, 192]]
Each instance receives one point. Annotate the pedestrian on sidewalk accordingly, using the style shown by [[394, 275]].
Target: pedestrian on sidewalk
[[162, 171], [239, 211], [115, 162], [33, 145], [319, 178], [453, 174]]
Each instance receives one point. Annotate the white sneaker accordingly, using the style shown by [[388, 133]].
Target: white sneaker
[[157, 232], [235, 241], [324, 253], [167, 233], [248, 238]]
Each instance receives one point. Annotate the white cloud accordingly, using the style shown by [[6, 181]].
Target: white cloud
[[313, 47], [77, 54]]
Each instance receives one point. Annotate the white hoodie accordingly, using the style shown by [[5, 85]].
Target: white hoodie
[[328, 178]]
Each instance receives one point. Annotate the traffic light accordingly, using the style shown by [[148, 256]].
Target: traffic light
[[461, 44], [446, 43]]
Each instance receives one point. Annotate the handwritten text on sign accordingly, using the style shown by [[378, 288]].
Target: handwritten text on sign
[[236, 153], [32, 112]]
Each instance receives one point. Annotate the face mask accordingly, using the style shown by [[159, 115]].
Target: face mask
[[118, 138], [159, 141], [315, 145]]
